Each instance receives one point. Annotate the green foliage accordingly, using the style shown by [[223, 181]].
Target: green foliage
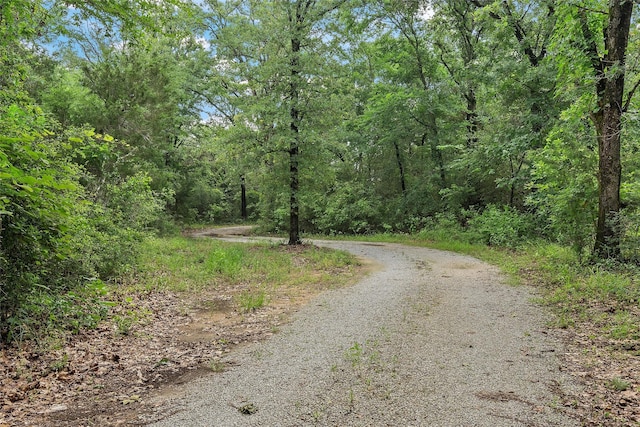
[[38, 190], [202, 202], [70, 102], [630, 229], [354, 354], [52, 236], [348, 210], [251, 300], [441, 228], [43, 313], [565, 184], [619, 384], [104, 246], [226, 263], [503, 227], [132, 203]]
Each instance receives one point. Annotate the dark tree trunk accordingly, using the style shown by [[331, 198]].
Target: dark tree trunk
[[607, 244], [294, 144], [294, 186], [403, 184], [610, 76], [243, 199], [472, 118]]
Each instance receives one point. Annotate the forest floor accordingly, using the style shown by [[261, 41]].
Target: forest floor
[[99, 378], [107, 376]]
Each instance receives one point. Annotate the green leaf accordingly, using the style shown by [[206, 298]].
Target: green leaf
[[25, 187]]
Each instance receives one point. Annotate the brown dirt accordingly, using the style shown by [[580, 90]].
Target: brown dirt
[[111, 376], [106, 377], [608, 368]]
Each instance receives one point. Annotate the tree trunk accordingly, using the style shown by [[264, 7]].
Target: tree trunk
[[403, 184], [607, 123], [294, 185], [607, 120], [243, 199], [294, 144], [472, 118]]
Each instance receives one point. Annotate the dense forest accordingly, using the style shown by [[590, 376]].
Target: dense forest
[[511, 120]]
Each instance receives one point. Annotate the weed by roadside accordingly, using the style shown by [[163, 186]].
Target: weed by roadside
[[251, 300]]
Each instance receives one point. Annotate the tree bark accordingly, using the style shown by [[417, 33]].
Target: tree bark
[[294, 186], [294, 179], [294, 113], [403, 184], [243, 196], [472, 118], [610, 78]]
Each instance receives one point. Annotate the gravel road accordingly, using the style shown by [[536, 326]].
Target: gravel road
[[429, 338]]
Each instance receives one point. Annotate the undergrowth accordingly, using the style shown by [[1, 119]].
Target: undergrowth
[[186, 264], [179, 264]]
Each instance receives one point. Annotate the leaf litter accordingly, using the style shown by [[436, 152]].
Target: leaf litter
[[109, 376]]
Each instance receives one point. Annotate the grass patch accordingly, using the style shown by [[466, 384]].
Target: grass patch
[[251, 273], [251, 300], [182, 264], [618, 384]]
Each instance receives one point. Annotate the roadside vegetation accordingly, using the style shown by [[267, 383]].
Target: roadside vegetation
[[185, 265]]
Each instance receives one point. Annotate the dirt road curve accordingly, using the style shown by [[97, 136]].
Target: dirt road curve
[[429, 338]]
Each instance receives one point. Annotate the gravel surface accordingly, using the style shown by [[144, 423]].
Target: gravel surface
[[429, 338]]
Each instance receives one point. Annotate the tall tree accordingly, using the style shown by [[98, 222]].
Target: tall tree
[[604, 37], [279, 59], [459, 41], [525, 109], [303, 17]]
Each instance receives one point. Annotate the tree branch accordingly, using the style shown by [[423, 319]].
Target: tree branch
[[591, 48], [214, 105], [630, 95]]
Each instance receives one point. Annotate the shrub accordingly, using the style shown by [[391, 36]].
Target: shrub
[[56, 236], [443, 227], [132, 204], [348, 210], [38, 190], [502, 226]]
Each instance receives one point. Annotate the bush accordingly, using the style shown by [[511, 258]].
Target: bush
[[132, 204], [630, 228], [200, 201], [56, 236], [38, 190], [349, 210], [43, 313], [502, 226], [443, 227]]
